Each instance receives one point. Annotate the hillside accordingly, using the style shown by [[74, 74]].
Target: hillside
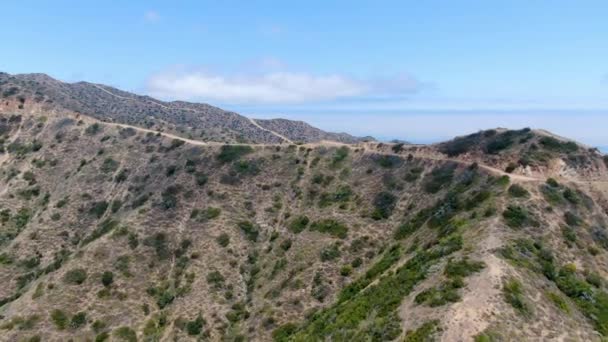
[[189, 120], [120, 233], [299, 131]]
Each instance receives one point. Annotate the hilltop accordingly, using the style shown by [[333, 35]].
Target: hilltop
[[119, 230]]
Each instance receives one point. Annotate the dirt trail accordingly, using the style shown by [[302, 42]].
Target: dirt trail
[[252, 121], [366, 148]]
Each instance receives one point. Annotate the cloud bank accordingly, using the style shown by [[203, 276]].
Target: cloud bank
[[272, 87]]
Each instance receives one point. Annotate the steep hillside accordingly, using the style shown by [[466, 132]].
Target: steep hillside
[[299, 131], [189, 120], [118, 233]]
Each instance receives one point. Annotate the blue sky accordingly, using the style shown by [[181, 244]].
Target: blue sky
[[417, 70]]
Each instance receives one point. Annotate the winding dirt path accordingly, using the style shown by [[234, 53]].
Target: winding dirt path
[[252, 121], [269, 131]]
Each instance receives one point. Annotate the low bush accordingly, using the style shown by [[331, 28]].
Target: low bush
[[341, 195], [78, 320], [75, 276], [107, 278], [559, 301], [249, 229], [462, 268], [388, 161], [109, 165], [330, 253], [125, 334], [384, 204], [439, 178], [340, 155], [424, 333], [517, 217], [513, 294], [572, 219], [331, 227], [555, 145], [103, 228], [223, 240], [59, 319], [518, 191], [195, 327], [298, 224], [98, 208], [230, 153], [159, 242], [215, 278]]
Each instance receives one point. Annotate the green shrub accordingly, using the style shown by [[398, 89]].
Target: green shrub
[[194, 328], [75, 276], [59, 319], [389, 258], [121, 176], [103, 228], [330, 253], [518, 191], [440, 177], [341, 195], [340, 155], [247, 167], [559, 301], [93, 129], [109, 165], [460, 145], [424, 333], [571, 196], [286, 244], [516, 217], [223, 239], [446, 292], [215, 278], [298, 224], [331, 227], [201, 178], [78, 320], [384, 204], [463, 268], [413, 174], [125, 334], [284, 332], [249, 229], [513, 295], [107, 278], [555, 145], [572, 219], [230, 153], [159, 242], [510, 168], [346, 270], [102, 337], [206, 214], [388, 161], [98, 208]]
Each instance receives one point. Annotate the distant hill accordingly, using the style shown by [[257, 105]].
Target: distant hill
[[190, 120]]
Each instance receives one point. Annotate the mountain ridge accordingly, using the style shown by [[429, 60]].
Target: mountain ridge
[[193, 120]]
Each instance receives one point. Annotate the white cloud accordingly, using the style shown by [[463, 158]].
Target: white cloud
[[151, 16], [267, 82]]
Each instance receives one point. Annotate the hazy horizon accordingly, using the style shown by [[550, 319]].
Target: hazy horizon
[[422, 72]]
